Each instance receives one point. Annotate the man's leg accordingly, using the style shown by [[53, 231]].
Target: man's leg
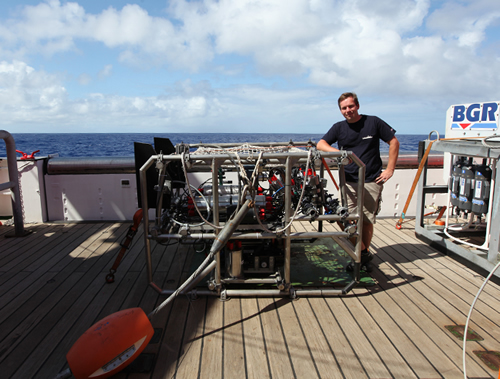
[[372, 196], [367, 234]]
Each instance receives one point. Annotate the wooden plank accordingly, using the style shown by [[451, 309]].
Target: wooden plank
[[458, 273], [177, 316], [404, 314], [455, 302], [393, 300], [321, 351], [430, 320], [254, 342], [75, 306], [42, 250], [402, 333], [450, 292], [9, 280], [212, 348], [170, 348], [95, 253], [35, 289], [19, 247], [391, 356], [424, 251], [339, 342], [280, 363], [395, 331], [302, 362], [363, 349], [188, 364], [47, 249], [118, 291], [234, 354]]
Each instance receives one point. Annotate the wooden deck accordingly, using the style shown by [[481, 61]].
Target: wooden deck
[[52, 289]]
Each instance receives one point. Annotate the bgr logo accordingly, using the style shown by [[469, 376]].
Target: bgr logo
[[474, 113]]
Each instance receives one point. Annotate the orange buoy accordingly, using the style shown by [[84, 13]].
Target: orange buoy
[[110, 345]]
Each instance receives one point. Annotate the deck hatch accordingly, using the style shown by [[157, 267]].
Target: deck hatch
[[458, 331], [490, 358]]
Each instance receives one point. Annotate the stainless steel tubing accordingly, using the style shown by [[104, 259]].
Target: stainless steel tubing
[[252, 236], [218, 244], [195, 281], [346, 245], [215, 187], [264, 293], [251, 281], [267, 144], [288, 216], [145, 218], [360, 204], [351, 217], [319, 292], [243, 293], [13, 184]]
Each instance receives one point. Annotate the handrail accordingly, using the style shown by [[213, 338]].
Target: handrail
[[13, 183]]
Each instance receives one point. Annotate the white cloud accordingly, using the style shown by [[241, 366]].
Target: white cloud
[[410, 49], [465, 21], [27, 95], [105, 72], [84, 79]]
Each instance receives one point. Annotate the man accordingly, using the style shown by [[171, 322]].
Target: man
[[361, 134]]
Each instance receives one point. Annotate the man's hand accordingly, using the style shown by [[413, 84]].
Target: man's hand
[[384, 176], [391, 165]]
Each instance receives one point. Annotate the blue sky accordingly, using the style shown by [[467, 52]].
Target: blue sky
[[242, 66]]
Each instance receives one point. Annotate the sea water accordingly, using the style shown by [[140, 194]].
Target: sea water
[[122, 144]]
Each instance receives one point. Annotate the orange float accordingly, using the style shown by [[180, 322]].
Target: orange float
[[110, 345]]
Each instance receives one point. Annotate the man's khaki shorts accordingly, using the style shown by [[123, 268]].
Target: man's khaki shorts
[[372, 203]]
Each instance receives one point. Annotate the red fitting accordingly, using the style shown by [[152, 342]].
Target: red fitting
[[262, 213], [26, 156], [269, 203]]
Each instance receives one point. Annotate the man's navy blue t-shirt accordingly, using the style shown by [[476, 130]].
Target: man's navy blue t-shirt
[[363, 139]]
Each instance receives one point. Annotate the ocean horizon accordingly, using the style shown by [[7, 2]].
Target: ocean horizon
[[122, 144]]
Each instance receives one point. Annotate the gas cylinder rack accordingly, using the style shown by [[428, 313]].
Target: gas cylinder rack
[[472, 189]]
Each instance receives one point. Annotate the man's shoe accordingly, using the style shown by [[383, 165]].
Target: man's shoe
[[366, 258]]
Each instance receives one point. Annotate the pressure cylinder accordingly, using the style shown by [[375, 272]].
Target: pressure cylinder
[[234, 259], [466, 187], [454, 185], [482, 180]]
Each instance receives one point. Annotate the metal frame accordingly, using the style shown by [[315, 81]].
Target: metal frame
[[284, 288], [471, 148], [13, 185]]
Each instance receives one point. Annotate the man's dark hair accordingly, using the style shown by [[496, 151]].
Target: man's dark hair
[[345, 95]]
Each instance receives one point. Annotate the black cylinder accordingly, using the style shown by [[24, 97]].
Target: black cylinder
[[454, 185], [482, 180], [466, 187]]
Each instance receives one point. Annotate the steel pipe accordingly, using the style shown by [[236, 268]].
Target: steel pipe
[[13, 184]]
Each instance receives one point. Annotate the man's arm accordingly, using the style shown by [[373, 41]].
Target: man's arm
[[391, 164], [325, 146]]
